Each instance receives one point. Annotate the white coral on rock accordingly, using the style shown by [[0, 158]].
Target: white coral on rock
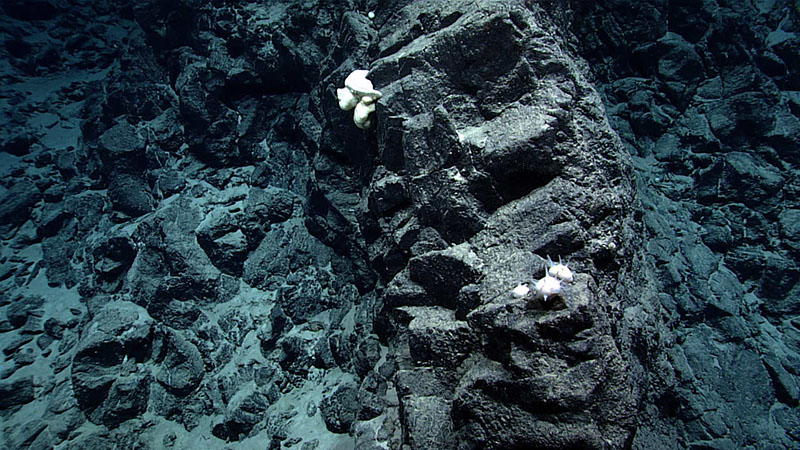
[[560, 270], [548, 286]]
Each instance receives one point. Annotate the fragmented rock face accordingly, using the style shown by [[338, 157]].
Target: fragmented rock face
[[506, 157], [108, 378], [200, 249], [709, 109]]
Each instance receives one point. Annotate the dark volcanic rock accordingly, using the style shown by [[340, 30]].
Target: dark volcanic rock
[[713, 131], [443, 273], [436, 338], [122, 149], [220, 235], [182, 369], [16, 392], [367, 356], [296, 355], [228, 259], [429, 423], [243, 413], [210, 126], [264, 207], [52, 220], [21, 308], [739, 176], [16, 204], [553, 364], [127, 398], [130, 194], [19, 144], [109, 378], [503, 169], [31, 11], [339, 409], [168, 248], [372, 396], [275, 327], [111, 261]]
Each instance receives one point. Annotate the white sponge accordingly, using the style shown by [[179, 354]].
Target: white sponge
[[358, 94]]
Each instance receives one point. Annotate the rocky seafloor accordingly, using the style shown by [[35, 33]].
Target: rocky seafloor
[[199, 249]]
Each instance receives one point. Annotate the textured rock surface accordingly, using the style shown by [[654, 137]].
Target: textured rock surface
[[501, 171], [708, 107], [201, 250]]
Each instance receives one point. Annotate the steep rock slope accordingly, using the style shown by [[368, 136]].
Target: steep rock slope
[[704, 94], [202, 251], [494, 152], [173, 276]]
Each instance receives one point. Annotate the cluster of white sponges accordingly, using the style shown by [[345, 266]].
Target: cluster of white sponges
[[550, 285], [358, 94]]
